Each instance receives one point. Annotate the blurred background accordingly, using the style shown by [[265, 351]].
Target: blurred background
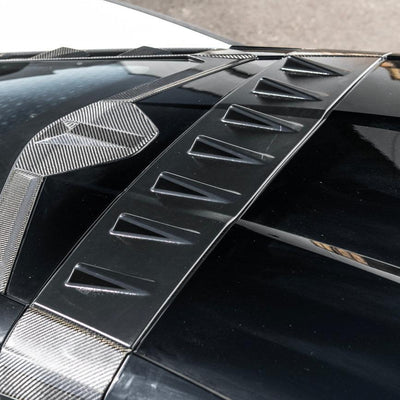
[[332, 24]]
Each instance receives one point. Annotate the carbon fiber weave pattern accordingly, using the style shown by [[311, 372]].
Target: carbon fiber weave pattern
[[61, 52], [16, 202], [47, 357], [155, 86], [98, 133], [229, 56]]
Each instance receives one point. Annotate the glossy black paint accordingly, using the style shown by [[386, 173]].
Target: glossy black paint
[[343, 188], [9, 312], [69, 203], [140, 379], [263, 320], [377, 96]]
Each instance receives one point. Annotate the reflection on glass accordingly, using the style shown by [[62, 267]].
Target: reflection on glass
[[341, 252], [371, 265], [394, 69]]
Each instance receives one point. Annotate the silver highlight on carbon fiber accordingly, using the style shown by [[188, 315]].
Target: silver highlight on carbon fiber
[[230, 56], [48, 357], [61, 52], [16, 203], [170, 81], [156, 86], [101, 132]]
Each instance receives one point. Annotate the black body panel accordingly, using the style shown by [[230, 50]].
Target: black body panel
[[143, 380], [264, 320], [9, 312], [347, 196], [343, 188]]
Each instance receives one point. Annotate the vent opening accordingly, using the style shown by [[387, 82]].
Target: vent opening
[[134, 227], [93, 278], [176, 185], [301, 66], [249, 118], [211, 148], [282, 91]]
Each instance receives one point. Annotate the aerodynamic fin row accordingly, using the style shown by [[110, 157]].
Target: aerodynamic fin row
[[118, 280]]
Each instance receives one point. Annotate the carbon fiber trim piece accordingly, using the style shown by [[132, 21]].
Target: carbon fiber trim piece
[[61, 52], [154, 86], [47, 357], [230, 56], [145, 51], [98, 133], [166, 57], [101, 132], [228, 53], [16, 203], [180, 78]]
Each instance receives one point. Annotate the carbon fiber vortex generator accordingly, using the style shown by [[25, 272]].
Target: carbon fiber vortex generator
[[104, 131]]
